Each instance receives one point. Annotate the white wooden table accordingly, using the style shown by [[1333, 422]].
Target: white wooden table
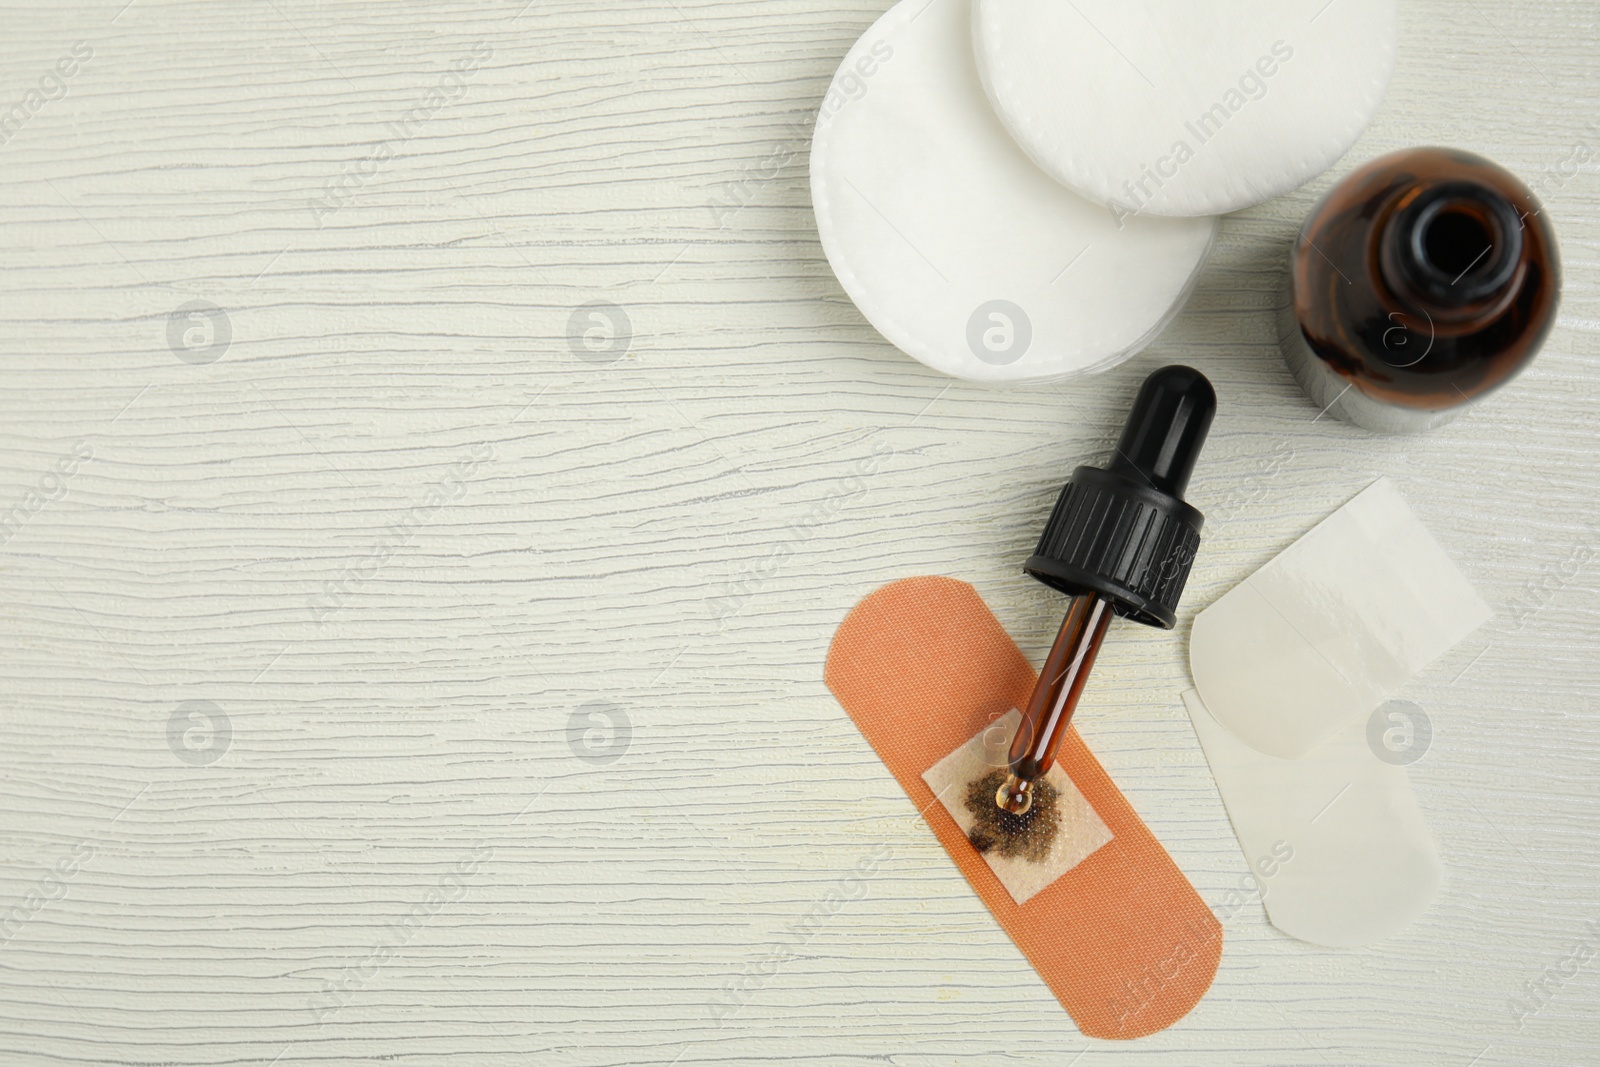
[[301, 633]]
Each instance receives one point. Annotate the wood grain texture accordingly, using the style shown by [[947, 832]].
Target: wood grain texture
[[410, 545]]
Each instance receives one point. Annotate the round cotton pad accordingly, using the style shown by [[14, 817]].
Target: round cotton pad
[[1191, 108], [957, 248]]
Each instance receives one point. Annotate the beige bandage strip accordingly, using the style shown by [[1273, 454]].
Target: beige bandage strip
[[1317, 638], [1289, 667], [1122, 939], [1336, 842]]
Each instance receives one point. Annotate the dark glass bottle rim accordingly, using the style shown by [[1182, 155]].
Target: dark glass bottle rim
[[1458, 243]]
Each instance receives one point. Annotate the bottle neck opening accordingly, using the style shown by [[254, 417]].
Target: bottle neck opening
[[1455, 250]]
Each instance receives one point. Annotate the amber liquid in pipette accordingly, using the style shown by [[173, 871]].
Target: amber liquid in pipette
[[1055, 697]]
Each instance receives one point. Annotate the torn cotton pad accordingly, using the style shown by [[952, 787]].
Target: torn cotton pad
[[958, 249], [1337, 845], [1063, 829], [1185, 108], [1319, 637]]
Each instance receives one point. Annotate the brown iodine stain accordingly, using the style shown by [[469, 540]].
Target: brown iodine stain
[[1029, 835]]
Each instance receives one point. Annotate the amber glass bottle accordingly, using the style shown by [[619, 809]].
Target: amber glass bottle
[[1421, 282]]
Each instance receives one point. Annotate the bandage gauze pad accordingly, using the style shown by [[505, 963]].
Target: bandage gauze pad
[[1121, 938], [958, 249], [1025, 852], [1185, 108]]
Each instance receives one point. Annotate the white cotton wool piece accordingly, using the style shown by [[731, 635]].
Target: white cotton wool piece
[[953, 244], [1201, 108]]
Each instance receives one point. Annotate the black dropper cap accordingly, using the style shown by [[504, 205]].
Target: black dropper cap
[[1125, 532]]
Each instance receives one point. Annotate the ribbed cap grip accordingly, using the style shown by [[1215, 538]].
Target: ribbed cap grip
[[1131, 543]]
